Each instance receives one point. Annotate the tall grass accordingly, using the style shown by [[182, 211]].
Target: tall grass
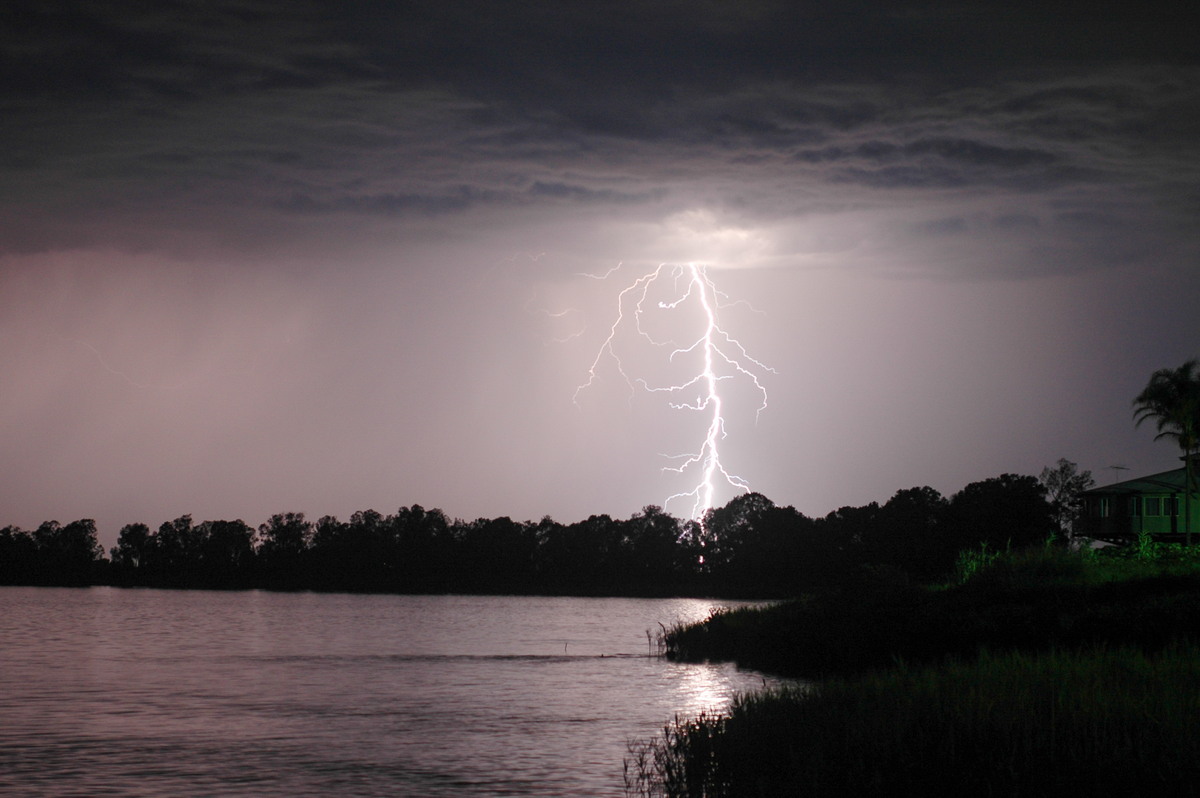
[[1053, 565], [1099, 723], [974, 561]]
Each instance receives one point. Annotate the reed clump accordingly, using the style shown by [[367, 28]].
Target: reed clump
[[1107, 721]]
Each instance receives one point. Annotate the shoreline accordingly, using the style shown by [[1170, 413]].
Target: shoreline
[[1089, 661]]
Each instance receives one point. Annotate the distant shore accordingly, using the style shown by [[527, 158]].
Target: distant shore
[[749, 549]]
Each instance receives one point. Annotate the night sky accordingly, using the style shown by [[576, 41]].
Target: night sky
[[259, 257]]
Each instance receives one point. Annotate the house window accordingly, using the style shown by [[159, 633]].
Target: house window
[[1171, 505], [1153, 505], [1098, 507], [1135, 505]]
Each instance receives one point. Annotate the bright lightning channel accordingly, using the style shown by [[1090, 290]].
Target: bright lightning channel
[[722, 357]]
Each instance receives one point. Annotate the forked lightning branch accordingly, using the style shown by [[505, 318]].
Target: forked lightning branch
[[720, 356]]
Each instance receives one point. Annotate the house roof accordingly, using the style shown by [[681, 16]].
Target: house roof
[[1163, 482]]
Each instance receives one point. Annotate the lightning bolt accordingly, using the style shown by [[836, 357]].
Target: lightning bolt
[[117, 372], [722, 358]]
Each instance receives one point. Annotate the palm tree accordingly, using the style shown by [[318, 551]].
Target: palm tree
[[1172, 399]]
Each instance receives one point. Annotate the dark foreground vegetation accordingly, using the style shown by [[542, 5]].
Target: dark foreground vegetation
[[1037, 599], [1042, 672], [1104, 722], [749, 548]]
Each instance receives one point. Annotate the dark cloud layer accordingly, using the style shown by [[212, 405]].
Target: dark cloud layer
[[394, 108]]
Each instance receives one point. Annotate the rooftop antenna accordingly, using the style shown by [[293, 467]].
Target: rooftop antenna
[[1115, 469]]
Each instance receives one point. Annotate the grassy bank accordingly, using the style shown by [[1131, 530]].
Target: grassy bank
[[1044, 672], [1032, 601], [1102, 722]]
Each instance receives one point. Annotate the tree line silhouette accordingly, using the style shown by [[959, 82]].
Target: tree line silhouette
[[749, 548]]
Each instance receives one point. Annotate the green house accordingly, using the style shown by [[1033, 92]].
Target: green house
[[1152, 505]]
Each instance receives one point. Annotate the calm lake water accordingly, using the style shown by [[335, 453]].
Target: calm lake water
[[188, 693]]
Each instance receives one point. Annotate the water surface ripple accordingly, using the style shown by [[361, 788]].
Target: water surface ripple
[[197, 693]]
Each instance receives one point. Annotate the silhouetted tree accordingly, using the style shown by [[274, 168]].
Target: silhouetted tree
[[1008, 510], [727, 531], [855, 525], [368, 556], [18, 557], [759, 549], [226, 553], [133, 555], [331, 562], [283, 546], [853, 529], [654, 558], [577, 559], [421, 550], [1064, 482], [495, 556], [67, 555], [176, 553], [909, 532], [1172, 400]]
